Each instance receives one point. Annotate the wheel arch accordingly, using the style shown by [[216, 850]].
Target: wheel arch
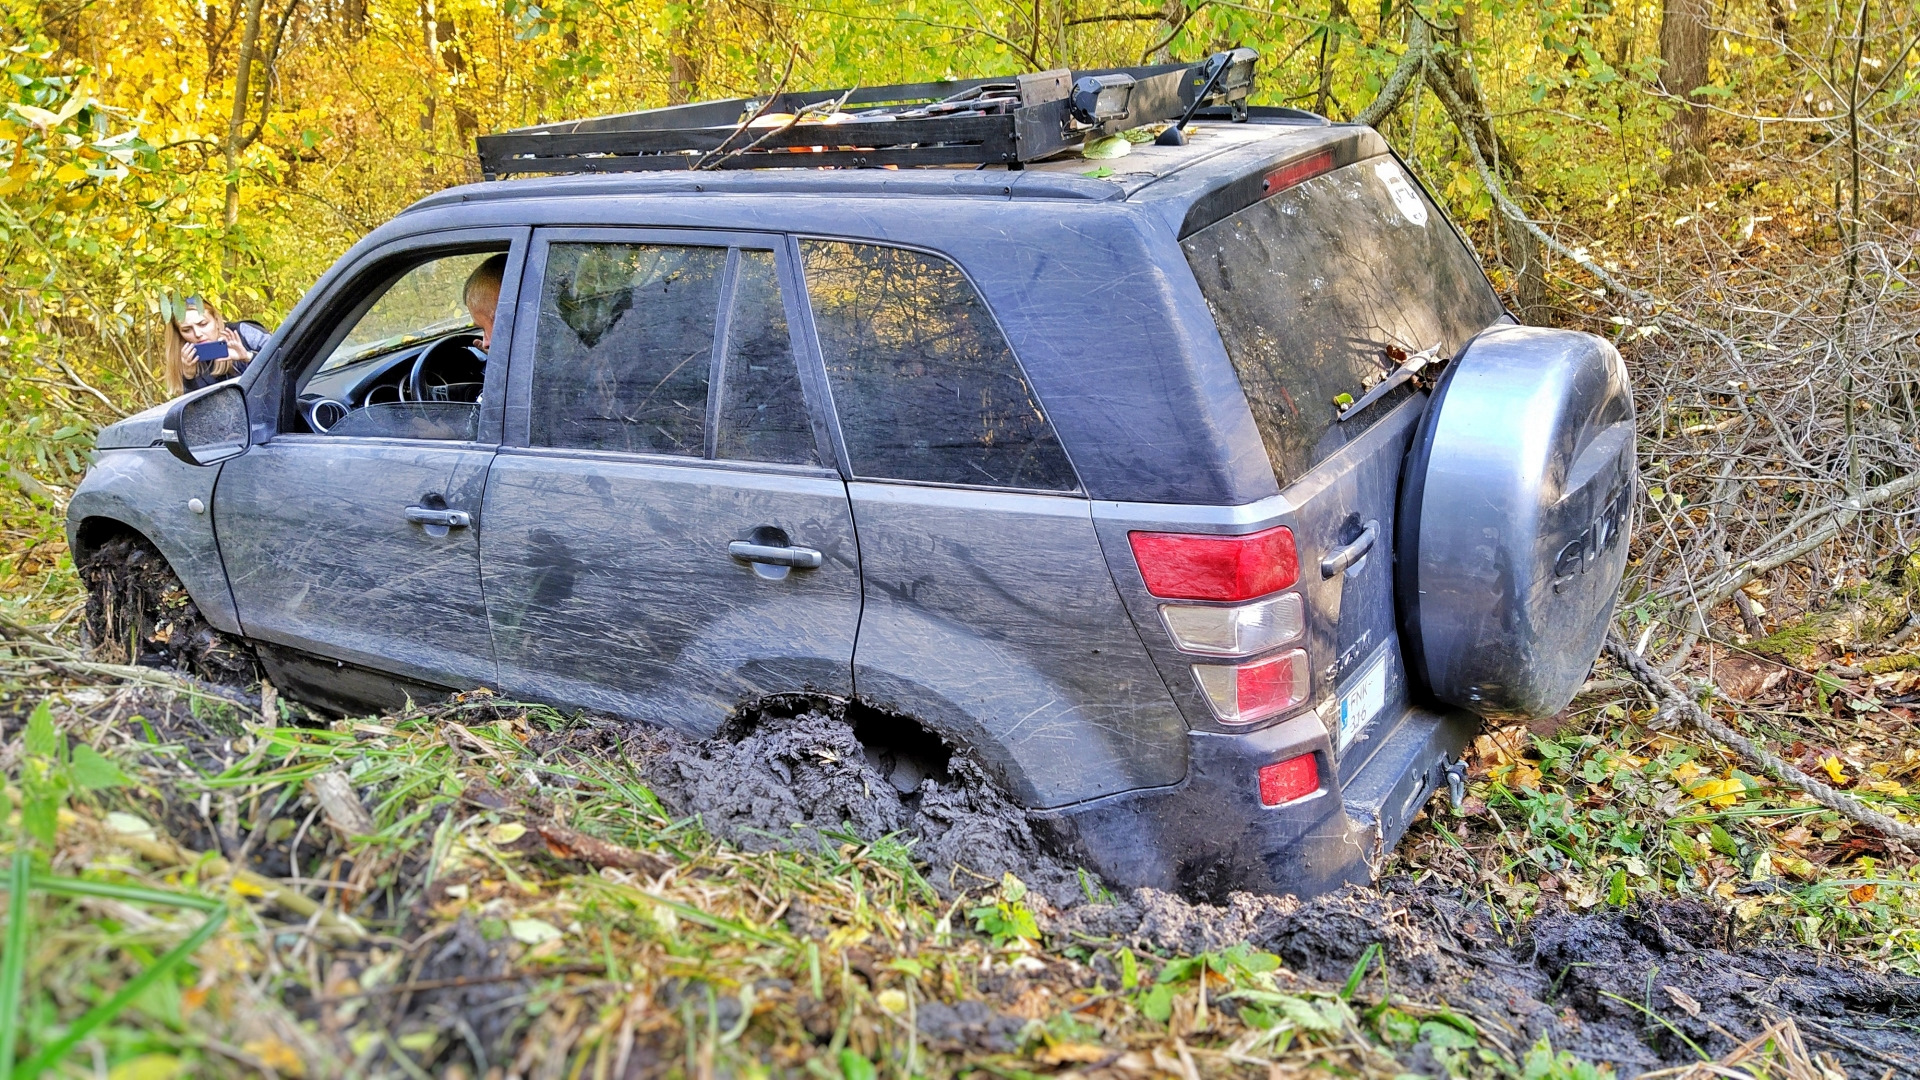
[[100, 512]]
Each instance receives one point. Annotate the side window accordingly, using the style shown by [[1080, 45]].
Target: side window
[[625, 346], [426, 301], [763, 415], [925, 384], [413, 363]]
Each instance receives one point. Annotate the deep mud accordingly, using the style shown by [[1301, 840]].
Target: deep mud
[[1618, 985], [1615, 985], [139, 613], [784, 781]]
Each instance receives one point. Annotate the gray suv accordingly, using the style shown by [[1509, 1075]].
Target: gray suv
[[1207, 496]]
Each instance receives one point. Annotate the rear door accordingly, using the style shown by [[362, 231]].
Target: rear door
[[1320, 291], [663, 540]]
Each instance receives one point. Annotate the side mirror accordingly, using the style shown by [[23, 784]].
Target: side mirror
[[208, 427]]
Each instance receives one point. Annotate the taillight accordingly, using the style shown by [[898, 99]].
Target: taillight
[[1295, 172], [1251, 692], [1235, 631], [1285, 781], [1192, 566]]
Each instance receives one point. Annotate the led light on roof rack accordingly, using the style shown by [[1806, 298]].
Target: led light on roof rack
[[1100, 98]]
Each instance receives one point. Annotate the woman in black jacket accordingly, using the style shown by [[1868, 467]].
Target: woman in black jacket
[[193, 344]]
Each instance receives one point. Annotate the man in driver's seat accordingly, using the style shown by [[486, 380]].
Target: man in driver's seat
[[482, 295]]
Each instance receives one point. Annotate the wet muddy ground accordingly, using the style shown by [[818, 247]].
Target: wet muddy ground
[[1651, 985]]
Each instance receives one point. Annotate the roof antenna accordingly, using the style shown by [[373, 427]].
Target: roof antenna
[[1217, 66]]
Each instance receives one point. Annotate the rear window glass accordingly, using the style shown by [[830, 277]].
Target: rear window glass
[[1322, 289], [763, 414], [925, 384]]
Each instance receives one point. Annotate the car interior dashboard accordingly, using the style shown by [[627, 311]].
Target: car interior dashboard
[[424, 389]]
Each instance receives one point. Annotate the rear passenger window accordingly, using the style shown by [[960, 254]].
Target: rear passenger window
[[625, 347], [925, 384], [763, 415]]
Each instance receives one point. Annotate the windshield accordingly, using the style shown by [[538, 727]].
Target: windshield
[[1323, 289], [425, 303]]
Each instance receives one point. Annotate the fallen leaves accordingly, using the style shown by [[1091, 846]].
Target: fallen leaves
[[533, 931]]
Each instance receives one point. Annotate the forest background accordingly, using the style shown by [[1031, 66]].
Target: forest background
[[1726, 187]]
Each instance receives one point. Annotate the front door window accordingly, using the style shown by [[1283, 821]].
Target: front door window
[[413, 363]]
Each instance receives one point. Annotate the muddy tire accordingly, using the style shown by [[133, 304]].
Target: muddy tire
[[138, 612]]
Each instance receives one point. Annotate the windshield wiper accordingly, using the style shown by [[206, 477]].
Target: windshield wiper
[[1409, 369]]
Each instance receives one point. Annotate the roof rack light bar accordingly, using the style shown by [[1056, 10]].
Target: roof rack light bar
[[1007, 121]]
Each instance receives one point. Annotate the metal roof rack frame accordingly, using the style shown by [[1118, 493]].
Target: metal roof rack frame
[[1006, 121]]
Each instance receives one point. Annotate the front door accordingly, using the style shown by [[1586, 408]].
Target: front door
[[352, 531], [663, 540]]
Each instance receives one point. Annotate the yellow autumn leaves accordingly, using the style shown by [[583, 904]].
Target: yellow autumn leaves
[[1720, 792]]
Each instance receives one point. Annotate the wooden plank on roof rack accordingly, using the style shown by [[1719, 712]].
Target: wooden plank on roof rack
[[845, 159]]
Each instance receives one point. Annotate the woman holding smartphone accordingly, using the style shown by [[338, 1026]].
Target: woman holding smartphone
[[202, 348]]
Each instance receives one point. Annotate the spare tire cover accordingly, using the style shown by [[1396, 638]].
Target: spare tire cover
[[1513, 520]]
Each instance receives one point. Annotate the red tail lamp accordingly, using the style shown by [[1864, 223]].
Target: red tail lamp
[[1284, 781], [1194, 566]]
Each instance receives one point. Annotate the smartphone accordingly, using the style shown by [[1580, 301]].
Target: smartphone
[[210, 350]]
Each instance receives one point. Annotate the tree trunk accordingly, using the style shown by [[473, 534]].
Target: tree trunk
[[1529, 268], [237, 121], [1338, 16], [1685, 41], [683, 59], [1173, 15]]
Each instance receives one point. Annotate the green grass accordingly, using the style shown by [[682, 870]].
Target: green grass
[[141, 948]]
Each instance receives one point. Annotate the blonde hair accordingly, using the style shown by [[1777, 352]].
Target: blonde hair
[[173, 344]]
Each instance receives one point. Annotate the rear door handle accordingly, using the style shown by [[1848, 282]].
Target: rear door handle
[[446, 519], [801, 558], [1342, 558]]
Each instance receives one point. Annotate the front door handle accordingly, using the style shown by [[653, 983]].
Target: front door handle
[[800, 558], [445, 519], [1342, 558]]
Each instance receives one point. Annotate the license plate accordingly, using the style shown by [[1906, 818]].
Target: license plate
[[1364, 700]]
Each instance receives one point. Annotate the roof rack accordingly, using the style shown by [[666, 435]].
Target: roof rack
[[1006, 121]]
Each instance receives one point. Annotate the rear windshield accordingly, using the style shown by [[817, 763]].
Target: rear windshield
[[1323, 289]]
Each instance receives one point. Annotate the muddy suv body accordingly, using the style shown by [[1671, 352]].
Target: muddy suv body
[[1199, 495]]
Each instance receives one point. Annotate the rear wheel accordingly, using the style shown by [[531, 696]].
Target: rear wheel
[[138, 612]]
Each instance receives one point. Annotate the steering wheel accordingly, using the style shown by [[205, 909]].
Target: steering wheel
[[448, 370]]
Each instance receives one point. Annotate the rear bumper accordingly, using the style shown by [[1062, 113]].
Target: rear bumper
[[1209, 835]]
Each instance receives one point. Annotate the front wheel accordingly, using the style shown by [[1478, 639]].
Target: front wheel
[[138, 612]]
